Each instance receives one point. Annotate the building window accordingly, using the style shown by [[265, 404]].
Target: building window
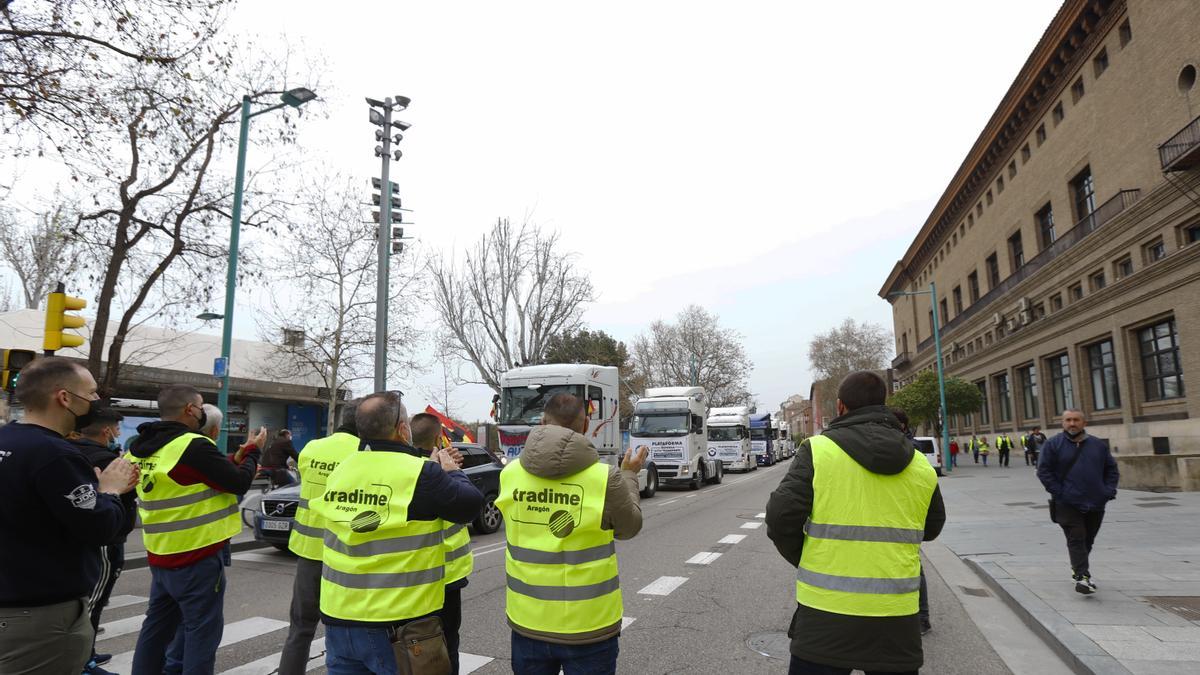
[[1041, 134], [1012, 169], [1017, 251], [1102, 366], [999, 184], [970, 220], [1076, 292], [1125, 32], [1100, 63], [1003, 398], [973, 287], [1027, 376], [931, 322], [944, 317], [1045, 224], [1039, 311], [987, 339], [957, 294], [1096, 281], [1189, 234], [1083, 193], [1122, 268], [1025, 152], [293, 337], [1060, 383], [1154, 251], [979, 209], [993, 271], [1077, 90], [1161, 370], [1058, 114], [983, 409], [989, 197], [1056, 302]]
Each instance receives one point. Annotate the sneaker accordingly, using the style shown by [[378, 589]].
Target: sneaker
[[101, 659], [926, 627], [1084, 585], [93, 669]]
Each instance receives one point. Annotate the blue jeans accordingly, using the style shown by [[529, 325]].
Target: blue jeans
[[189, 599], [534, 657], [356, 650]]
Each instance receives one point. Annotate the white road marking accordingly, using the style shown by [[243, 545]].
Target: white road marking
[[663, 585], [731, 539], [120, 627], [752, 525], [760, 515], [117, 601], [669, 501], [237, 631], [469, 663], [703, 558], [269, 665], [493, 549], [251, 556], [625, 621], [688, 496]]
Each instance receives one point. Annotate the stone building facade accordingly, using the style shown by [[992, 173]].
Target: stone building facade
[[1065, 252]]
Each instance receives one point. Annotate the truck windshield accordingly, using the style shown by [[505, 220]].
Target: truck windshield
[[660, 425], [723, 434], [522, 405], [758, 434]]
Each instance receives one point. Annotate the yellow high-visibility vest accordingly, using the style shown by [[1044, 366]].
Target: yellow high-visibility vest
[[561, 565], [318, 459], [179, 518], [861, 554], [460, 562], [378, 566]]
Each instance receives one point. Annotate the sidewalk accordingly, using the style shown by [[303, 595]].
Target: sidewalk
[[1146, 561]]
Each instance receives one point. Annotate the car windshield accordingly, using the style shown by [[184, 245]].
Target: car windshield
[[660, 425], [522, 405], [723, 434], [758, 434]]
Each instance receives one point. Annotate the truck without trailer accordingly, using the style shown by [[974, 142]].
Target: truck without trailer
[[671, 422], [525, 390], [786, 449], [729, 438], [761, 443]]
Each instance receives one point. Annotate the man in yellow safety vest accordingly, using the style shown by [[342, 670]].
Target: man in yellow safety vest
[[851, 514], [562, 509]]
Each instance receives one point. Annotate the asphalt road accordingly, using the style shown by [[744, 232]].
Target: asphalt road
[[701, 583]]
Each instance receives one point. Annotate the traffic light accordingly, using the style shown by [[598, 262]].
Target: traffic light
[[57, 306], [14, 361]]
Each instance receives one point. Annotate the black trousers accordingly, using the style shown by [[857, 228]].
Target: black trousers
[[799, 666], [1081, 528], [451, 615], [1004, 457], [112, 561], [305, 614]]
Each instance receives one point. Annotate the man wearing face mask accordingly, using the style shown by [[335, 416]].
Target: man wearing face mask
[[188, 504], [98, 441], [56, 513]]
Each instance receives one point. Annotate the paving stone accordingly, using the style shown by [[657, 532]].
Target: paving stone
[[1176, 633], [1143, 667], [1115, 632], [1163, 651]]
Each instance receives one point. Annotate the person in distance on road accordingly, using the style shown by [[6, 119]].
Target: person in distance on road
[[275, 458], [564, 599], [984, 449], [188, 505], [57, 511], [384, 564], [851, 514], [98, 441], [1081, 476], [426, 432]]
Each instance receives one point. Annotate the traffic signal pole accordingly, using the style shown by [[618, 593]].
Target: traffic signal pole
[[384, 241]]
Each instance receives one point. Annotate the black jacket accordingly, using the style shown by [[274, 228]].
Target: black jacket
[[53, 520], [101, 456], [872, 437], [1090, 483], [276, 456]]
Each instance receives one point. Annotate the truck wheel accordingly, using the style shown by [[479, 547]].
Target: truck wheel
[[697, 478], [718, 474], [651, 483]]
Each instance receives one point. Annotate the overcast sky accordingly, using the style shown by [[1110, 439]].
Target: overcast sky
[[769, 161]]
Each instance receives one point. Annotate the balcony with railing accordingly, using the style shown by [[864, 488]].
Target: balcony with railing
[[1182, 151], [1087, 225], [902, 359]]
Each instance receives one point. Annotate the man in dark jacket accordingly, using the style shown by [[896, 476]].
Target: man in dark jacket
[[1081, 476], [829, 642], [57, 511], [1033, 445], [275, 458], [98, 440]]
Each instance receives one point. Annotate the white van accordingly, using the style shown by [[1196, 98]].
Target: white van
[[933, 451]]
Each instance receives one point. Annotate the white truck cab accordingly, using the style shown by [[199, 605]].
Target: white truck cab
[[671, 422], [525, 390], [729, 438]]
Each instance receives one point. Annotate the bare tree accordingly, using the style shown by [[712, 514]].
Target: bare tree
[[324, 295], [515, 290], [852, 346], [39, 254], [670, 353]]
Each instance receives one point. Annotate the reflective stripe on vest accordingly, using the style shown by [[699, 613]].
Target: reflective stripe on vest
[[316, 461], [861, 554], [378, 565], [459, 560], [179, 518], [561, 565]]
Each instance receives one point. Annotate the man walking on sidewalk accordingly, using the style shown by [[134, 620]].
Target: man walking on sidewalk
[[1033, 444], [1081, 476], [1004, 446]]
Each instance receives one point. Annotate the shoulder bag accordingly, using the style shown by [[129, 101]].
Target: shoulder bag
[[420, 648]]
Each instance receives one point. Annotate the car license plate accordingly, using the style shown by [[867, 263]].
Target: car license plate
[[281, 525]]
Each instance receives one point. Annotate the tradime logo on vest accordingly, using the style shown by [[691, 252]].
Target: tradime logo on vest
[[367, 521], [326, 467], [559, 508], [365, 508]]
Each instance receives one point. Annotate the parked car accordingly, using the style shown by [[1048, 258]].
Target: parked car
[[272, 520], [932, 450]]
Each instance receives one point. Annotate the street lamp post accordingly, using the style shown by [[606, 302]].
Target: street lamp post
[[947, 460], [292, 97]]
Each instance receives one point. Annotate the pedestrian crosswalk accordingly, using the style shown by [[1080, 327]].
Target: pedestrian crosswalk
[[234, 633]]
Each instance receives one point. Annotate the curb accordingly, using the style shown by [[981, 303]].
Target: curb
[[139, 562], [1077, 650]]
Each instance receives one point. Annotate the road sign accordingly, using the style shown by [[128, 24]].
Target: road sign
[[220, 366]]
